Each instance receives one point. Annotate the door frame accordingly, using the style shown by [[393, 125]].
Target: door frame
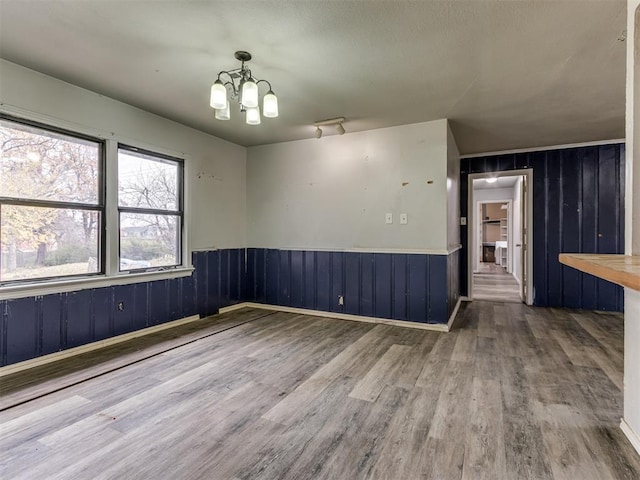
[[478, 226], [471, 245]]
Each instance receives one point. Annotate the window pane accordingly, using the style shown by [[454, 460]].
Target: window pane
[[148, 240], [47, 242], [41, 165], [147, 182]]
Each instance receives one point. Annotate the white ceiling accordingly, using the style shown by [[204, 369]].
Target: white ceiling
[[509, 74], [501, 182]]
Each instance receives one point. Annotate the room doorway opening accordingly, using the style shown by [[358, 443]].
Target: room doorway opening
[[500, 257]]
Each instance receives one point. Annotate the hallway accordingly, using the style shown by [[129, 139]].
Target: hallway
[[492, 282]]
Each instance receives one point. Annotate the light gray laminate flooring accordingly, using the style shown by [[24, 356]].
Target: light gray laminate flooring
[[492, 282], [514, 392]]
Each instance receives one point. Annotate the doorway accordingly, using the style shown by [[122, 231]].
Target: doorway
[[499, 258]]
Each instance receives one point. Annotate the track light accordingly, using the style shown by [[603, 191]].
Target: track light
[[334, 121]]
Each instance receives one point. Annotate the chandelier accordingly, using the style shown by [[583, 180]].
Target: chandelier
[[240, 85]]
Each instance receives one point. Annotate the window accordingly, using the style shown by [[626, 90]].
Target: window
[[52, 207], [150, 209], [80, 210]]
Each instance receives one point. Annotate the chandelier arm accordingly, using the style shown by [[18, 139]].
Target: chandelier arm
[[265, 81], [230, 81], [233, 87], [224, 72]]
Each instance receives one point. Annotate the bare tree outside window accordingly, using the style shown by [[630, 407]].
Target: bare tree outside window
[[50, 205], [149, 201], [53, 205]]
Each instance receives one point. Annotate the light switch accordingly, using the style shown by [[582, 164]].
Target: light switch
[[463, 221], [388, 218], [404, 219]]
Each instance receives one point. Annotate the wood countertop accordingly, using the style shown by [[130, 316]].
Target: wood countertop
[[621, 269]]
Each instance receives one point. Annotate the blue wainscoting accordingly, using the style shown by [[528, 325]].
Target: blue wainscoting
[[578, 207], [34, 326], [414, 287]]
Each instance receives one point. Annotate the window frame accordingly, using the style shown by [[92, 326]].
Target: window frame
[[179, 212], [111, 275], [99, 206]]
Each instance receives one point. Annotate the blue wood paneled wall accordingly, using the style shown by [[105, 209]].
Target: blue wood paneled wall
[[578, 207], [415, 287], [35, 326]]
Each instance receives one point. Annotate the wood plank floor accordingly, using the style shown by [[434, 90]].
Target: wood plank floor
[[492, 282], [515, 392]]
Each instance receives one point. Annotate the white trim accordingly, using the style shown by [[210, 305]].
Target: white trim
[[437, 327], [53, 357], [452, 318], [111, 235], [466, 299], [632, 436], [231, 308], [25, 114], [186, 208], [455, 249], [212, 249], [406, 251], [544, 149], [85, 283], [527, 172], [476, 224]]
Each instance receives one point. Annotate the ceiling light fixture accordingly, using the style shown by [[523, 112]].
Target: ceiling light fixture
[[334, 121], [240, 85], [491, 179]]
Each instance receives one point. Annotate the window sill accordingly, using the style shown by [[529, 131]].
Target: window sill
[[84, 283]]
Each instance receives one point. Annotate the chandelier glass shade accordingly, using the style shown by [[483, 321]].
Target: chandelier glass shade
[[240, 86]]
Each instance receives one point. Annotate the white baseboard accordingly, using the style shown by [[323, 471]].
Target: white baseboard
[[342, 316], [231, 308], [52, 357], [633, 437], [452, 318]]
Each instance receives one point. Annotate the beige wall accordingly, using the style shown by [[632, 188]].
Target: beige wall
[[334, 192], [453, 191]]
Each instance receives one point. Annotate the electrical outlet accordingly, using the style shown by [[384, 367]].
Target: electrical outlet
[[463, 221], [388, 218], [404, 219], [340, 300]]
